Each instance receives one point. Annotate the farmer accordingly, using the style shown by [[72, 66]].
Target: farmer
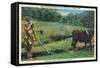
[[29, 37]]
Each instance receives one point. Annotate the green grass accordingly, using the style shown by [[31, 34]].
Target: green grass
[[53, 45], [50, 28], [53, 28], [69, 28], [64, 55], [56, 27], [68, 54]]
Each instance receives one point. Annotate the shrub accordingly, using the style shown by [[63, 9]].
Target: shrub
[[58, 37]]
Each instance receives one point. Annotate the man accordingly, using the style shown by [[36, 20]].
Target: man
[[29, 37]]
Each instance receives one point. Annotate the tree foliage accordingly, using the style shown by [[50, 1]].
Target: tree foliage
[[71, 19], [43, 14], [87, 18]]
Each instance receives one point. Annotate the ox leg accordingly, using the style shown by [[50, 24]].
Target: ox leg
[[74, 44], [85, 44], [90, 45]]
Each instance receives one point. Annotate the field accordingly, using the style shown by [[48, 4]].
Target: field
[[66, 55], [55, 29]]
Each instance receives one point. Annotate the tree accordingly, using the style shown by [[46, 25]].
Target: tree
[[26, 11], [43, 14], [87, 18], [71, 19]]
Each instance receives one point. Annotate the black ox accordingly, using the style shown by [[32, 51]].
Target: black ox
[[82, 36]]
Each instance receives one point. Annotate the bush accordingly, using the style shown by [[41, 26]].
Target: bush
[[58, 37]]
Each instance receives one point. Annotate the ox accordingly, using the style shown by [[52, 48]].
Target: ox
[[82, 36]]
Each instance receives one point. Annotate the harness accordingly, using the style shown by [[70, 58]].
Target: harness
[[87, 32], [88, 35]]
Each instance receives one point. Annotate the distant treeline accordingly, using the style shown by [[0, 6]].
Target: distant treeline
[[86, 18], [41, 14]]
